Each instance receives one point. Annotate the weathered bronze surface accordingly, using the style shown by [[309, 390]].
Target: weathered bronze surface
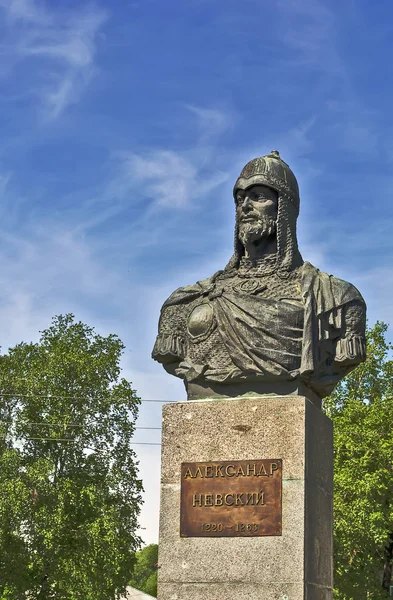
[[238, 498], [268, 321]]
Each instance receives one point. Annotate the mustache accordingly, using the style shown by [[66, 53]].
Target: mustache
[[249, 216], [270, 221]]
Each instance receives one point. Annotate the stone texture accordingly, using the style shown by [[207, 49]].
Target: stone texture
[[231, 591], [298, 563]]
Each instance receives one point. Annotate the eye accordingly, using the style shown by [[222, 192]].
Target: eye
[[239, 198], [260, 197]]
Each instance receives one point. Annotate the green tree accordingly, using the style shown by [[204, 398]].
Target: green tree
[[145, 572], [69, 492], [362, 411]]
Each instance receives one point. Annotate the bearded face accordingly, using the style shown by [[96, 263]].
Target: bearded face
[[251, 231], [256, 213]]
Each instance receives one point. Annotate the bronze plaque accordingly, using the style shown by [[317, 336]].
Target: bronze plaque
[[235, 498]]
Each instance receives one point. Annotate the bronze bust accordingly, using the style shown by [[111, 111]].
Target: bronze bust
[[268, 323]]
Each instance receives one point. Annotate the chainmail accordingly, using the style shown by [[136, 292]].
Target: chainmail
[[354, 319], [262, 280], [211, 351], [174, 319]]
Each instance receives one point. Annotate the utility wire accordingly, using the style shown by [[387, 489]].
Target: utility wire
[[51, 439], [16, 395], [145, 444], [43, 424], [74, 425], [73, 441]]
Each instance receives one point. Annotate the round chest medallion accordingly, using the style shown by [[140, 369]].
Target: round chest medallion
[[249, 286], [201, 321]]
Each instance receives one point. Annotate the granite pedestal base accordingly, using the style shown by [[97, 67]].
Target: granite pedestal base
[[296, 565]]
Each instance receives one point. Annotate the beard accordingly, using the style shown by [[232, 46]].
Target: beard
[[253, 231]]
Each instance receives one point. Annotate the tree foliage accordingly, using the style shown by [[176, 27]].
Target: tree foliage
[[69, 493], [145, 573], [361, 408]]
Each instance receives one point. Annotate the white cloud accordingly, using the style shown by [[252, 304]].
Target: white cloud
[[60, 46], [377, 287], [26, 10], [355, 125], [174, 178], [168, 177], [310, 28], [298, 138], [65, 92], [212, 122], [5, 178], [51, 272]]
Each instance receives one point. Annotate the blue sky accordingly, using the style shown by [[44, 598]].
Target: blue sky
[[123, 128]]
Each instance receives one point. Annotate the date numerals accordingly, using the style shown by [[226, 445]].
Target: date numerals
[[239, 527], [212, 527], [246, 527]]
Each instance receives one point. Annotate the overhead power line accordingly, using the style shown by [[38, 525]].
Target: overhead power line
[[73, 441], [145, 444], [70, 425], [73, 397], [73, 425]]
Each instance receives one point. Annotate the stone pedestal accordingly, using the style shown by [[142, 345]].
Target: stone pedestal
[[296, 565]]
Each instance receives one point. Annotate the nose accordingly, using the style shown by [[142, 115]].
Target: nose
[[246, 204]]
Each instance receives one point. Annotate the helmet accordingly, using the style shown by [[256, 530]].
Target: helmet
[[273, 172]]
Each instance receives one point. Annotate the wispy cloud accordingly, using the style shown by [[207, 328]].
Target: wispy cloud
[[355, 125], [312, 31], [58, 46], [25, 10], [169, 178], [47, 267], [309, 28], [379, 282], [212, 122], [5, 179]]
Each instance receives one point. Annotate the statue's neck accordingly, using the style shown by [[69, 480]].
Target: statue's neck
[[265, 247]]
